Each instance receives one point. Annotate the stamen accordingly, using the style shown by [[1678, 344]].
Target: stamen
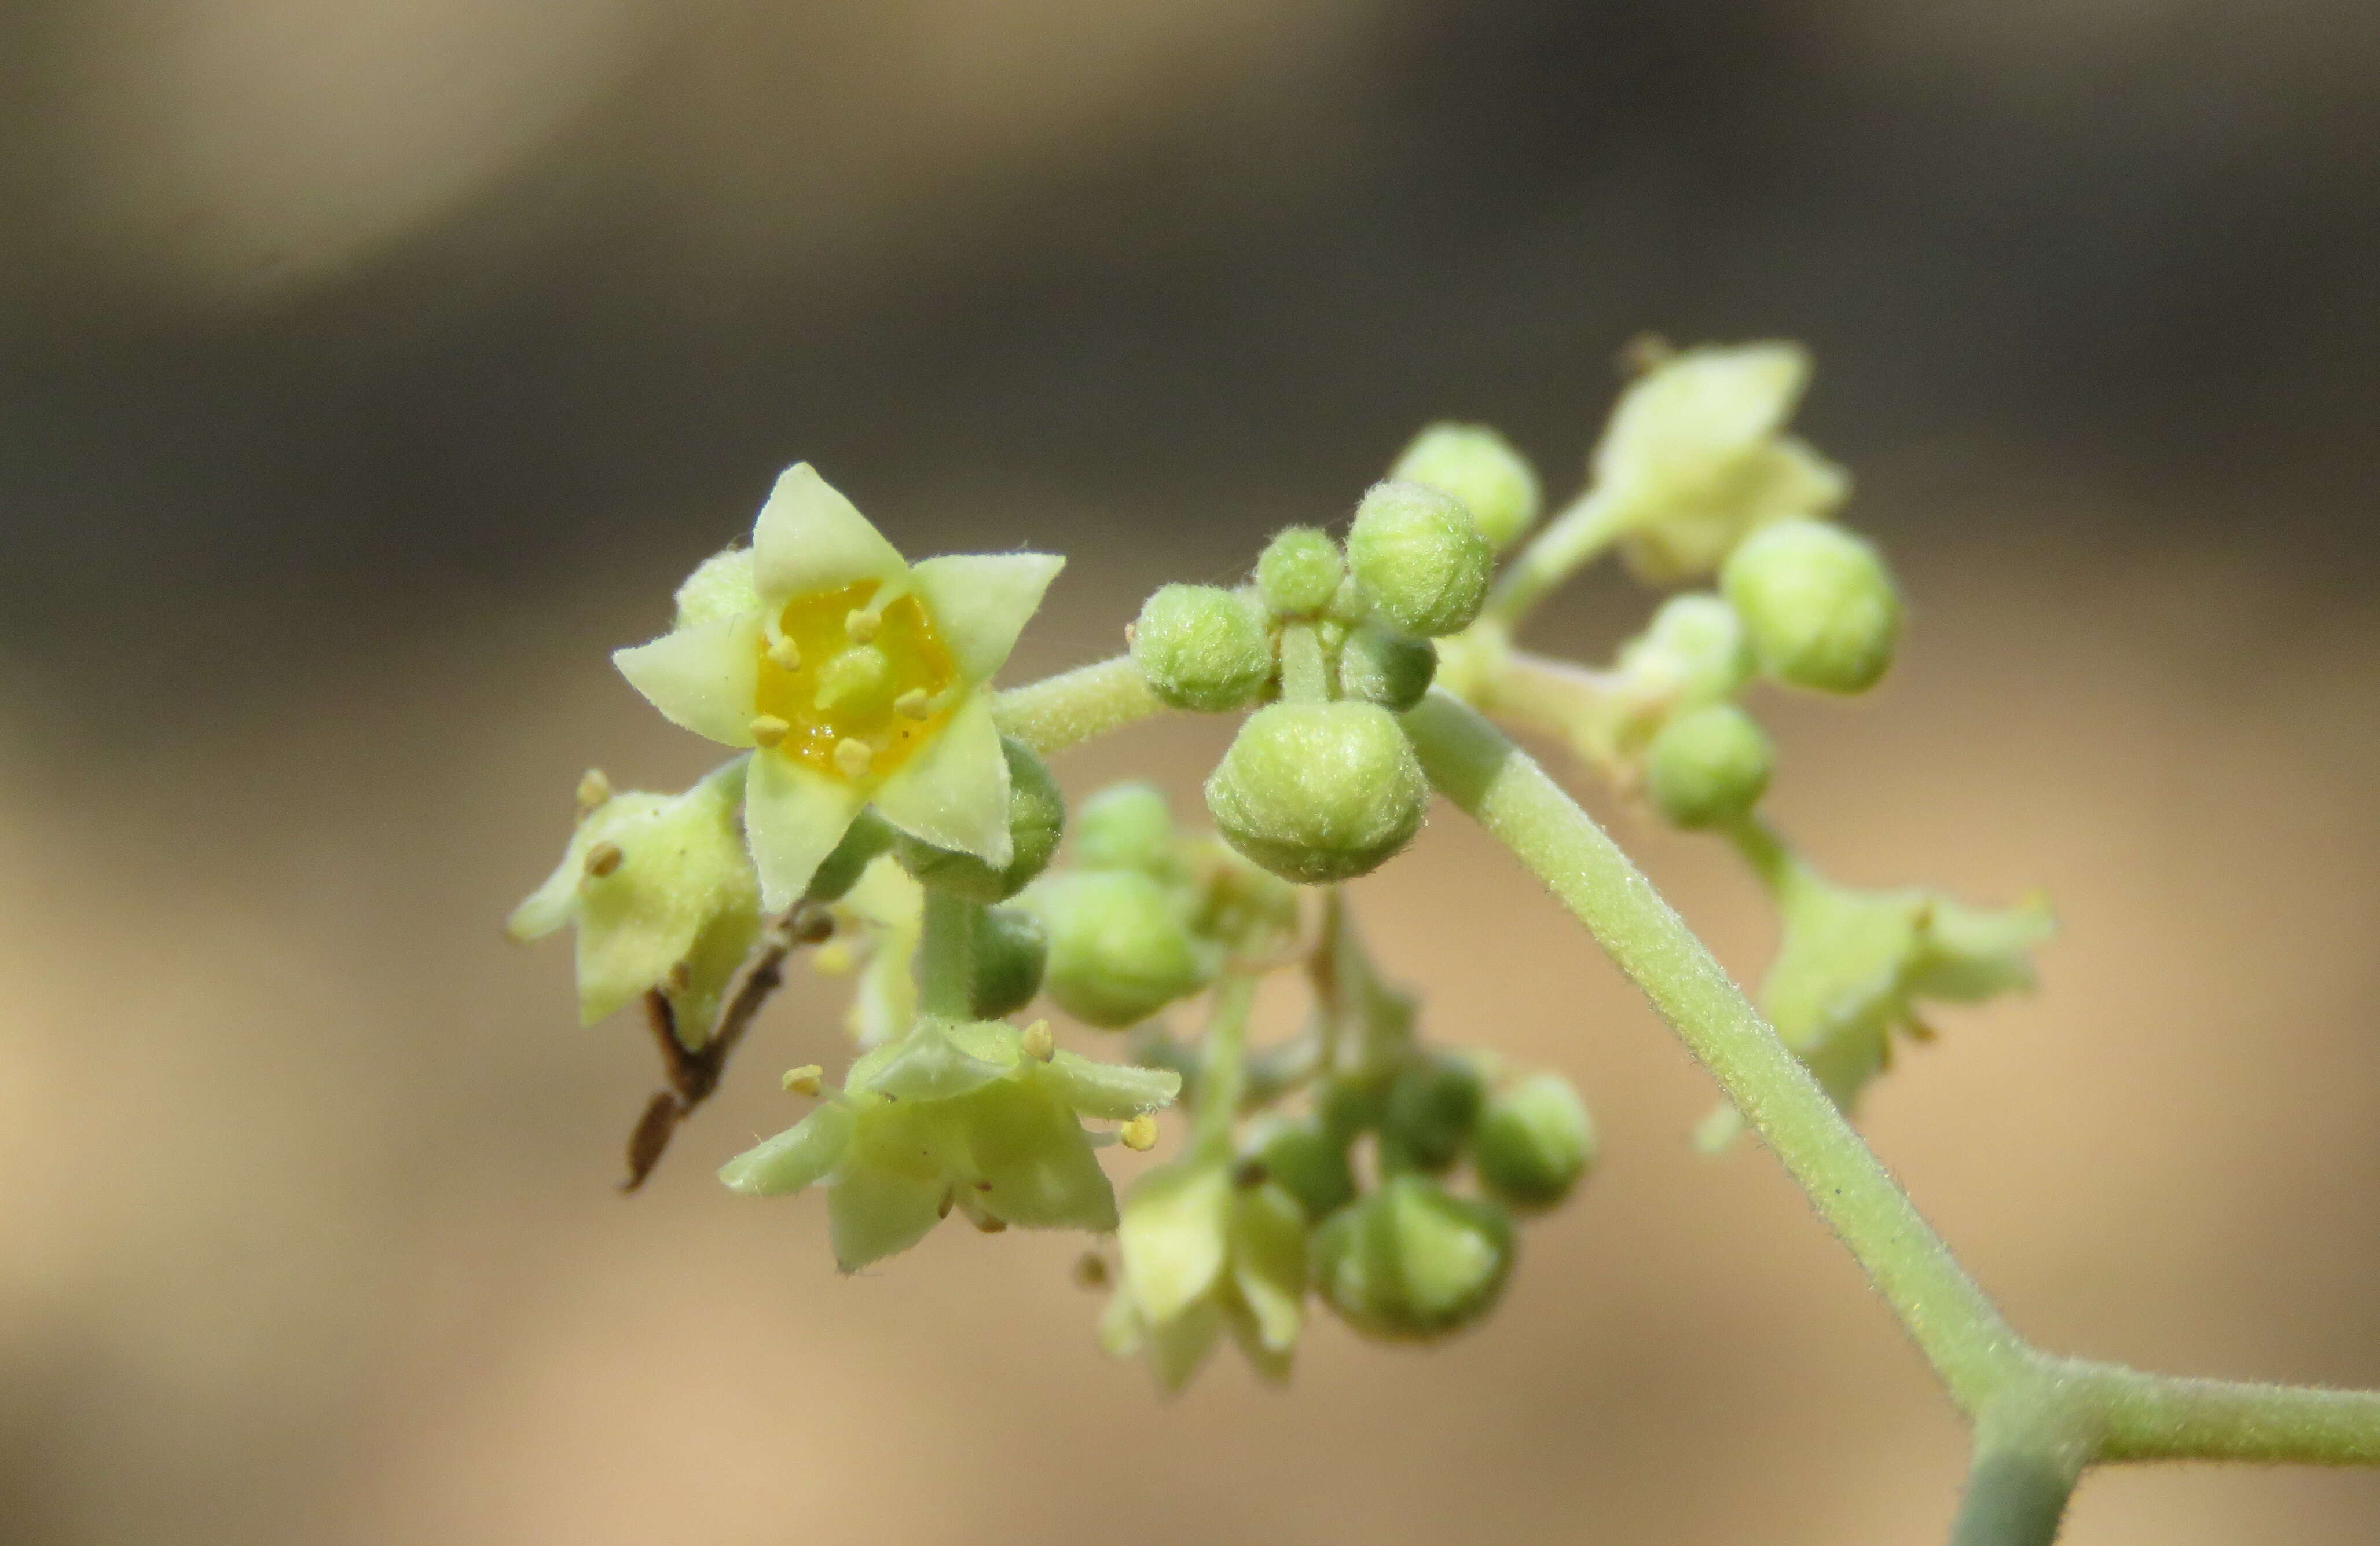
[[859, 625], [991, 1225], [785, 654], [804, 1080], [916, 703], [603, 858], [769, 730], [1038, 1042], [853, 757], [1139, 1135], [835, 958], [594, 790]]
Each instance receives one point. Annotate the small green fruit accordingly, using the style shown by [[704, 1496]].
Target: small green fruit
[[1300, 572], [1202, 648], [1708, 766], [1386, 668], [1012, 950], [1480, 468], [1119, 949], [1037, 819], [1413, 1261], [1318, 792], [1433, 1107], [1420, 563], [1124, 826], [1534, 1142], [1299, 1156], [1818, 603]]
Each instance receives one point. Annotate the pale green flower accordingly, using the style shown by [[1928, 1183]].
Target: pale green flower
[[856, 677], [1696, 453], [957, 1114], [1203, 1254], [663, 897]]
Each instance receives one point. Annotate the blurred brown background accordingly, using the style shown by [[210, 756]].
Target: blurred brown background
[[371, 368]]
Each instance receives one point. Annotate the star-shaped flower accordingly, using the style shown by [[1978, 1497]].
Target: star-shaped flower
[[1203, 1254], [856, 677]]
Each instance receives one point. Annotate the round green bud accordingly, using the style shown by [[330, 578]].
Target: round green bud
[[1318, 792], [1479, 467], [1534, 1142], [1202, 648], [1386, 668], [1118, 950], [1299, 1156], [1697, 641], [1037, 819], [1433, 1105], [1124, 826], [1708, 766], [1420, 563], [1011, 951], [1300, 572], [868, 836], [1818, 603], [1350, 1106], [1413, 1261]]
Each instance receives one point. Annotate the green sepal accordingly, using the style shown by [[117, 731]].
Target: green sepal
[[803, 1155], [937, 1061], [1111, 1092]]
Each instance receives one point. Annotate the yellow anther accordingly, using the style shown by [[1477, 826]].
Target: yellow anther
[[991, 1225], [853, 757], [916, 703], [835, 958], [603, 858], [1038, 1042], [593, 790], [1091, 1269], [1138, 1135], [786, 655], [804, 1080], [859, 625], [769, 730]]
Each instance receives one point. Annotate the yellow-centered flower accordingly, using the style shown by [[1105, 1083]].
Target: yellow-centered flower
[[856, 678]]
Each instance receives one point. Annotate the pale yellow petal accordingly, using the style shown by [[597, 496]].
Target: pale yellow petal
[[794, 816], [703, 678], [810, 537], [981, 602], [954, 793]]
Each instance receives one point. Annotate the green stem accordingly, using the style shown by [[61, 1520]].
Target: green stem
[[1947, 1316], [1068, 709], [1304, 676], [1222, 1068], [1570, 540], [2169, 1416], [1771, 858], [946, 956]]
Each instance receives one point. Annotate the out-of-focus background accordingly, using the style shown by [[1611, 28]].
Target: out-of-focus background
[[369, 369]]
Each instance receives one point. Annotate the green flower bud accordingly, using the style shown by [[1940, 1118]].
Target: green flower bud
[[1413, 1261], [1318, 792], [868, 836], [1420, 563], [1708, 766], [1818, 603], [1433, 1107], [1386, 668], [1299, 1155], [1119, 948], [1479, 467], [1011, 951], [1202, 648], [1534, 1142], [1300, 572], [1694, 650], [1125, 826], [1350, 1106], [1037, 818]]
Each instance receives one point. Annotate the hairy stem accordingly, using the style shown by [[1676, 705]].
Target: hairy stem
[[1068, 709], [1947, 1316], [946, 956], [1304, 676], [2169, 1416], [1570, 541]]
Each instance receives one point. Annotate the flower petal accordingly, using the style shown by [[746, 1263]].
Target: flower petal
[[792, 817], [1269, 1263], [810, 537], [1173, 1238], [872, 1214], [981, 602], [702, 678], [954, 793], [802, 1155], [1113, 1091]]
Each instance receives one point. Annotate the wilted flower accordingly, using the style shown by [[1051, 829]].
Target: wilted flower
[[856, 677]]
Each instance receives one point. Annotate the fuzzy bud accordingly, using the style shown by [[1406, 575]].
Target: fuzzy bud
[[1202, 648], [1480, 468], [1417, 559], [1433, 1107], [1012, 950], [1386, 668], [1818, 604], [1119, 948], [1318, 792], [1413, 1261], [1037, 819], [1708, 766], [1299, 1155], [1696, 645], [1125, 826], [1534, 1142], [1300, 572]]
